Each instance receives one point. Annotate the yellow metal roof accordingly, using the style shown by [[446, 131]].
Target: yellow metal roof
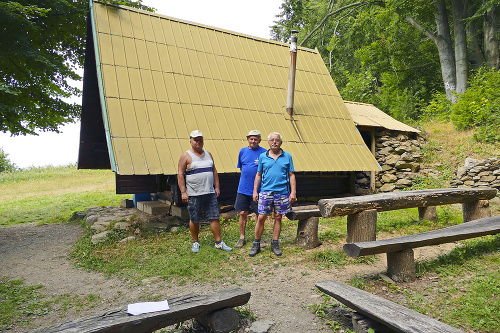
[[369, 115], [161, 77]]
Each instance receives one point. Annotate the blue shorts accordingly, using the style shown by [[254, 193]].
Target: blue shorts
[[245, 203], [270, 201], [207, 202]]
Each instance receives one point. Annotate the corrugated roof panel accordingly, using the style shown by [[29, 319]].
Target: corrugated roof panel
[[153, 163], [118, 51], [168, 163], [122, 156], [129, 118], [173, 95], [224, 96], [187, 37], [139, 162], [105, 51], [109, 81], [101, 19], [168, 121], [135, 21], [130, 54], [143, 121], [115, 119], [179, 123], [155, 119], [152, 55], [136, 86]]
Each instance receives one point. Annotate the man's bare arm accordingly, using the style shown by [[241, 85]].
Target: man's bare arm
[[181, 170], [293, 187], [256, 184], [216, 178]]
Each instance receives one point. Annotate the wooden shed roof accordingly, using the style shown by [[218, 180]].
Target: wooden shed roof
[[369, 115], [160, 78]]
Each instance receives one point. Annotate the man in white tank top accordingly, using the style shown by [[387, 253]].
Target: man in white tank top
[[199, 184]]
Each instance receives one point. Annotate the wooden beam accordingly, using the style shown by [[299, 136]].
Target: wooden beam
[[477, 228], [181, 308], [402, 200], [392, 315], [303, 214]]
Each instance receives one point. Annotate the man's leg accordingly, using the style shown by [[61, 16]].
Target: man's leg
[[277, 226], [195, 229], [243, 223], [259, 226], [215, 227]]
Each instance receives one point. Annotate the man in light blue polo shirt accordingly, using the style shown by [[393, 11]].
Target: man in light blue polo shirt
[[276, 179]]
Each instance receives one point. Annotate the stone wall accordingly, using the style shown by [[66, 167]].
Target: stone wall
[[399, 155], [478, 173]]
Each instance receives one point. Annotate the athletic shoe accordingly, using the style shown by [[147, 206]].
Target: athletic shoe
[[222, 246], [196, 247], [254, 250], [240, 243], [275, 246]]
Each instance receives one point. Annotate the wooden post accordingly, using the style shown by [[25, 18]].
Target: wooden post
[[307, 233], [401, 265], [362, 226], [221, 321], [372, 173], [428, 213], [476, 210]]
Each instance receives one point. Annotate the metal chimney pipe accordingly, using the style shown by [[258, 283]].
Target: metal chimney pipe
[[291, 73]]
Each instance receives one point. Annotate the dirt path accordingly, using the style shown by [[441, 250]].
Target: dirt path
[[38, 254]]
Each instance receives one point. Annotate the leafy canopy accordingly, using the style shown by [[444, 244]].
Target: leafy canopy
[[42, 44]]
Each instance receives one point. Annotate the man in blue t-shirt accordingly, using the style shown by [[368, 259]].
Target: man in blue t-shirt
[[248, 159], [276, 178]]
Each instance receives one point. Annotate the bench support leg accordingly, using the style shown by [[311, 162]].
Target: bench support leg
[[307, 233], [362, 226], [428, 213], [401, 266], [221, 321], [476, 210]]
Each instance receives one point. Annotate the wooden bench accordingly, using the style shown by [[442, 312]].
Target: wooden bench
[[400, 257], [395, 316], [362, 211], [214, 309]]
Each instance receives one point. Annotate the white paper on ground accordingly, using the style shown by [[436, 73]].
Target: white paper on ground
[[147, 307]]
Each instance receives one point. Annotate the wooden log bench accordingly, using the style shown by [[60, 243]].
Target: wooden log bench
[[362, 211], [399, 250], [392, 315], [214, 309]]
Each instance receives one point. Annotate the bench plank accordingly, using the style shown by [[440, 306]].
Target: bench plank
[[476, 228], [181, 308], [402, 200], [392, 315]]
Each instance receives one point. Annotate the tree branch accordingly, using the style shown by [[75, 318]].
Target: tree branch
[[356, 4], [429, 34]]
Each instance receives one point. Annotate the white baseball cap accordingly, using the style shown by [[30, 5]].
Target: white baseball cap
[[195, 133], [253, 132]]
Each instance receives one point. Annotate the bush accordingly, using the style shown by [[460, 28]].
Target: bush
[[5, 163], [479, 106], [438, 108]]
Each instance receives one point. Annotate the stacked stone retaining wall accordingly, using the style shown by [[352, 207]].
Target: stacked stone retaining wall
[[478, 173]]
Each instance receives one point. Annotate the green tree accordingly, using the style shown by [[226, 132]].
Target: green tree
[[5, 163], [42, 44]]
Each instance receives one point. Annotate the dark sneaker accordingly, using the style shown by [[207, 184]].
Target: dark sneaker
[[240, 243], [254, 250], [275, 246]]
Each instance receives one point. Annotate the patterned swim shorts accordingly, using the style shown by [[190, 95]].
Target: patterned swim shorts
[[270, 201]]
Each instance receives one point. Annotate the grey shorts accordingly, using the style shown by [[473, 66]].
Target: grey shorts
[[205, 202]]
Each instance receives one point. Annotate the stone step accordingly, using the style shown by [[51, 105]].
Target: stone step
[[181, 212], [153, 207]]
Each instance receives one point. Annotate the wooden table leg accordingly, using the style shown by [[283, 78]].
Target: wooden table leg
[[362, 226], [476, 210]]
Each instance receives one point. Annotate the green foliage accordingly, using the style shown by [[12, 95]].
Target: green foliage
[[437, 109], [5, 163], [479, 105], [42, 43]]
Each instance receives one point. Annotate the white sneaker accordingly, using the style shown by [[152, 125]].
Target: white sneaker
[[196, 247], [222, 246]]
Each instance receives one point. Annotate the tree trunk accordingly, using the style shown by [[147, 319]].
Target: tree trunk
[[445, 49], [491, 39], [462, 70], [476, 57]]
